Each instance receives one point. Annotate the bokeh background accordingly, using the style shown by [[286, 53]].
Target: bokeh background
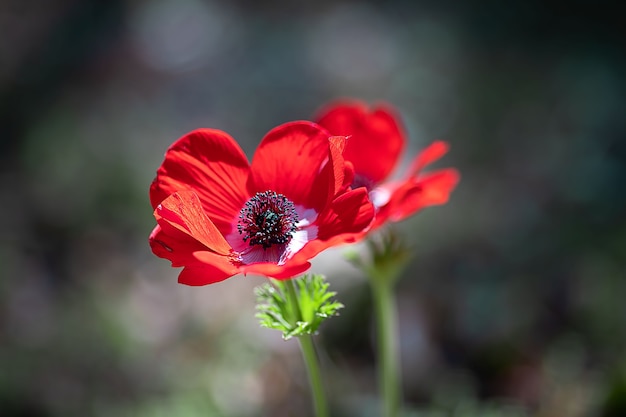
[[513, 304]]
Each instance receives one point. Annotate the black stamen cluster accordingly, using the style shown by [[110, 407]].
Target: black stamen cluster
[[266, 219]]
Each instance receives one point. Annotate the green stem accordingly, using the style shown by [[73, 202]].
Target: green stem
[[313, 369], [386, 335], [310, 357]]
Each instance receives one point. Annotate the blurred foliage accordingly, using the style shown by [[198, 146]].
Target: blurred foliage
[[386, 257], [512, 304]]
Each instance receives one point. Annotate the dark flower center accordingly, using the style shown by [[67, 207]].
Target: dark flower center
[[266, 219]]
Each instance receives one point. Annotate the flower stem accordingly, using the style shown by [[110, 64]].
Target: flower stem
[[386, 332], [310, 357]]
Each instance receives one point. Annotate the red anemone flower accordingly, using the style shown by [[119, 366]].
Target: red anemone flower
[[217, 215], [374, 146]]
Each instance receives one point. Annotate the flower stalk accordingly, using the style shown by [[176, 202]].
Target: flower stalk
[[297, 308], [310, 357], [387, 341], [388, 255]]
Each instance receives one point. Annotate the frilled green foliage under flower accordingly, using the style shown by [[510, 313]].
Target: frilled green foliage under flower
[[296, 307]]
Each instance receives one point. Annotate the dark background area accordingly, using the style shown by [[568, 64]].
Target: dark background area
[[513, 304]]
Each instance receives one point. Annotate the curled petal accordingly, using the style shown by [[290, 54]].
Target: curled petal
[[187, 237], [183, 211], [201, 266], [336, 162], [173, 244], [331, 179], [375, 136]]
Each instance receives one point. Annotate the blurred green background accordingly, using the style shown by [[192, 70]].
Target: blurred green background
[[513, 304]]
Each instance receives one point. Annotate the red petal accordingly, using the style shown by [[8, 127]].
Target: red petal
[[429, 155], [331, 179], [210, 268], [348, 175], [376, 138], [349, 213], [212, 164], [344, 221], [202, 275], [433, 189], [201, 267], [289, 160], [337, 147], [385, 209], [183, 211], [170, 243], [187, 237], [289, 270]]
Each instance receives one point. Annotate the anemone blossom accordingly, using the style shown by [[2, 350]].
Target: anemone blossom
[[218, 215]]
